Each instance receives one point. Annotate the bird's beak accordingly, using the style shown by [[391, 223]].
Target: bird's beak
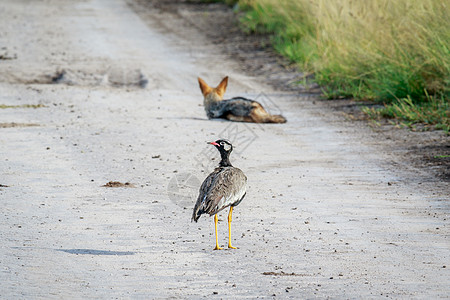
[[213, 143]]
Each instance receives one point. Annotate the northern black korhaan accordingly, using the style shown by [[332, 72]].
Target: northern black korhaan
[[225, 187]]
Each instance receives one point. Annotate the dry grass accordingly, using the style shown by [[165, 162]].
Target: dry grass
[[378, 49]]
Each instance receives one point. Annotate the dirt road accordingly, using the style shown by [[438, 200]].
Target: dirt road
[[93, 92]]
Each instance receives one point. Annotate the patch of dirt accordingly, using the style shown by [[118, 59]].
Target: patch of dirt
[[3, 106], [114, 184], [3, 185], [424, 149], [13, 124], [4, 54], [281, 273], [112, 75], [252, 51]]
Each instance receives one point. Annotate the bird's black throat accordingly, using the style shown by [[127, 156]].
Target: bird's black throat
[[225, 161]]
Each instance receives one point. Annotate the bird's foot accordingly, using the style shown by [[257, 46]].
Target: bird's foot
[[218, 248], [231, 247]]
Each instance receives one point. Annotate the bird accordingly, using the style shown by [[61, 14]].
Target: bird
[[225, 187]]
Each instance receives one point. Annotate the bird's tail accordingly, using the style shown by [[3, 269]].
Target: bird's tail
[[196, 214]]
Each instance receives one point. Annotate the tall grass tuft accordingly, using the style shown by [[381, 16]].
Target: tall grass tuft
[[377, 49], [434, 113]]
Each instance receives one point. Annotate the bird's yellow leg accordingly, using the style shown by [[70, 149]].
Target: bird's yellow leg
[[216, 219], [229, 228]]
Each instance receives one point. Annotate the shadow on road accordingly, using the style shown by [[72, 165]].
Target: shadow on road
[[95, 252]]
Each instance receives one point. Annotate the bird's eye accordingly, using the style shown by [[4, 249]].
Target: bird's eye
[[221, 143]]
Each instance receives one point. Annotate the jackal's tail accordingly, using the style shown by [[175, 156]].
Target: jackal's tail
[[274, 119]]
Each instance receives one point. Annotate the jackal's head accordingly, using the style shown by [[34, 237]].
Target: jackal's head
[[210, 94]]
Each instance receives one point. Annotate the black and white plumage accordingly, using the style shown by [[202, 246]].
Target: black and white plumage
[[225, 187]]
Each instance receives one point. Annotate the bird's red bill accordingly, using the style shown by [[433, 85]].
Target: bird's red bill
[[213, 143]]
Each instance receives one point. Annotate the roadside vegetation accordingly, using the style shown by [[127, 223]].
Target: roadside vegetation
[[392, 52], [3, 106]]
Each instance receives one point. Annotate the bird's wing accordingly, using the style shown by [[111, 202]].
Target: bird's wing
[[200, 205], [227, 188], [222, 188]]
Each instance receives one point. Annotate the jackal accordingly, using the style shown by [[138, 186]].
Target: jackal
[[237, 109]]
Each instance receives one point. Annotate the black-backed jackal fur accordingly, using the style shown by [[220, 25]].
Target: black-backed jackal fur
[[237, 109]]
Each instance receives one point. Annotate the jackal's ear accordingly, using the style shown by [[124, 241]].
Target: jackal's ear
[[222, 86], [206, 89]]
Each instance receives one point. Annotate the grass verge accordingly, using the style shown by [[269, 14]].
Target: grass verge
[[432, 114], [393, 52]]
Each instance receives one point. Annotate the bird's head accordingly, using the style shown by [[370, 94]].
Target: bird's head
[[223, 146]]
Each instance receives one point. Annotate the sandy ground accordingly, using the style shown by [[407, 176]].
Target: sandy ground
[[97, 91]]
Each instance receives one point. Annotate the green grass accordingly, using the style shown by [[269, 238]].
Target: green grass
[[3, 106], [393, 52], [434, 114], [442, 156]]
